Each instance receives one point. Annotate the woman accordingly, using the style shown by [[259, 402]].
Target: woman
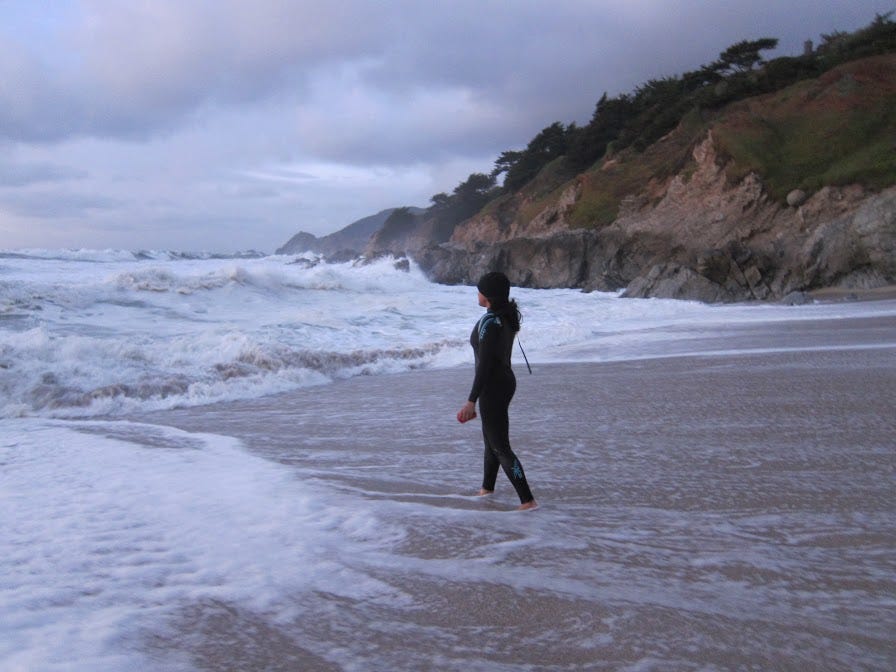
[[494, 384]]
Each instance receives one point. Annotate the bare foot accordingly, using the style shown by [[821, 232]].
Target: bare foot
[[483, 492], [531, 504]]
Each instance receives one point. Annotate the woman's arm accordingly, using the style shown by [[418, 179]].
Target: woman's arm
[[487, 356]]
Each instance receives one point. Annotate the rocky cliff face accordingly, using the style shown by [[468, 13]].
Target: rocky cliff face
[[704, 213], [345, 243], [696, 236], [406, 237]]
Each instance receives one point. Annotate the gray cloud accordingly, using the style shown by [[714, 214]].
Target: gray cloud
[[133, 69], [307, 115], [56, 204], [20, 174]]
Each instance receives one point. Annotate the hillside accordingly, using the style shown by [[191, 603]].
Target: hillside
[[779, 193], [742, 180], [347, 242]]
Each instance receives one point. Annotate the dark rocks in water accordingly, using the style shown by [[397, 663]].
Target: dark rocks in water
[[341, 256], [796, 299], [304, 262]]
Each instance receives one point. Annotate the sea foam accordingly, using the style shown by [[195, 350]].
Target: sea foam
[[109, 527], [84, 333]]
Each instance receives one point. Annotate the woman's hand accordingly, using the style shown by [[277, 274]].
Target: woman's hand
[[467, 412]]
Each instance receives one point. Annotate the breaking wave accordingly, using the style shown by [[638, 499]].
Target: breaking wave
[[87, 332]]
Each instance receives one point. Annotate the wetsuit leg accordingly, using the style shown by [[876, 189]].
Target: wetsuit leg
[[493, 405], [490, 464]]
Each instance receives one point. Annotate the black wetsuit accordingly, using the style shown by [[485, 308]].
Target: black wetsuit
[[494, 386]]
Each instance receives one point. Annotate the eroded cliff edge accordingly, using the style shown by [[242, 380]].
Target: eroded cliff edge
[[702, 239], [690, 218]]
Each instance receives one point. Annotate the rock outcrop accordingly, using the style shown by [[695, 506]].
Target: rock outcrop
[[702, 238]]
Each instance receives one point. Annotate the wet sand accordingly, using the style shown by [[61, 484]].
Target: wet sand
[[833, 294], [721, 512]]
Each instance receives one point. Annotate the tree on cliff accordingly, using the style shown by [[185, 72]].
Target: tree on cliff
[[520, 167], [877, 38], [743, 56], [468, 198], [588, 144], [640, 118]]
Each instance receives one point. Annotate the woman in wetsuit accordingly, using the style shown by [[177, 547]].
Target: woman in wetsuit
[[494, 384]]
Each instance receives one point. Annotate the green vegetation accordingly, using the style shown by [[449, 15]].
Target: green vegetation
[[630, 171], [819, 133], [521, 167], [791, 140], [468, 198]]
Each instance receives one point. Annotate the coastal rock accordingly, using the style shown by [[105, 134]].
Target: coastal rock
[[673, 281], [698, 237], [501, 223], [796, 198], [856, 250], [561, 260], [796, 299]]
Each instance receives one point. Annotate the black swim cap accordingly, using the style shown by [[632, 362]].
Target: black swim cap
[[494, 285]]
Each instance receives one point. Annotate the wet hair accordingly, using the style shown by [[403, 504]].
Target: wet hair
[[508, 311]]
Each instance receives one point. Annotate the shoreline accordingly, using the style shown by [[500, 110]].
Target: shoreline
[[840, 294], [698, 510], [787, 337], [725, 506]]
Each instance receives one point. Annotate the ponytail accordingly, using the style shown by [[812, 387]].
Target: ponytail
[[507, 310]]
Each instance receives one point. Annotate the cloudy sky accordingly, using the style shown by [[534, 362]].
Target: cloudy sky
[[226, 125]]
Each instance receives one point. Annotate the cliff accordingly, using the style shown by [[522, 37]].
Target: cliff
[[765, 198], [781, 193], [348, 242]]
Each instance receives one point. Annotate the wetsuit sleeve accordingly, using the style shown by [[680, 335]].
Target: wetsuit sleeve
[[487, 356]]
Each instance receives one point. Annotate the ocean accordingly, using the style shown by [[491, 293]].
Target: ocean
[[251, 463]]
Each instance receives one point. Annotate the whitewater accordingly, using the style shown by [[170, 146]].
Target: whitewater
[[88, 333], [214, 462]]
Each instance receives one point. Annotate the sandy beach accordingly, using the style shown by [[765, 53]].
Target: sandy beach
[[734, 509]]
